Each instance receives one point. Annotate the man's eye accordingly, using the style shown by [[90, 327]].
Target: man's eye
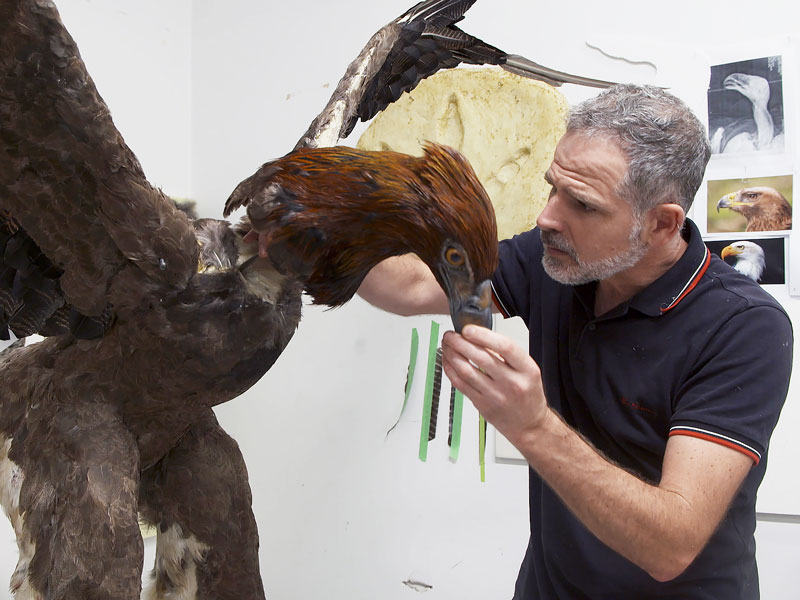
[[553, 191]]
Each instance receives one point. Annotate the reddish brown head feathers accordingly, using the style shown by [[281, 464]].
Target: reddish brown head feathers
[[344, 210]]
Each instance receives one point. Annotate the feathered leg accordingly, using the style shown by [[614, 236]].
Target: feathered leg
[[199, 498], [77, 501]]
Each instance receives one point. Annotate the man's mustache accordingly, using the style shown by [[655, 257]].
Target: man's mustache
[[555, 240]]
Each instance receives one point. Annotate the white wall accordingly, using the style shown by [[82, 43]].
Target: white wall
[[343, 511]]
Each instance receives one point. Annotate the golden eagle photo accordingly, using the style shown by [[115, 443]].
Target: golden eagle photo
[[749, 205]]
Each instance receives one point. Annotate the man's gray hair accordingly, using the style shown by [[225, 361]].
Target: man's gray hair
[[666, 145]]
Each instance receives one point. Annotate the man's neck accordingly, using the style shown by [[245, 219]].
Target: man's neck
[[624, 285]]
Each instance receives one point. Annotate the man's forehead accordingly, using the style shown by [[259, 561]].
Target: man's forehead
[[588, 158], [589, 142]]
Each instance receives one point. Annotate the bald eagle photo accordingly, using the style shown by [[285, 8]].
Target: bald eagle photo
[[748, 258], [761, 259], [764, 208], [152, 318]]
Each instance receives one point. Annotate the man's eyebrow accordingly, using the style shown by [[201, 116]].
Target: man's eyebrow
[[576, 195]]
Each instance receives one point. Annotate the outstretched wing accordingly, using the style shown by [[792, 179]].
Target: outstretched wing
[[75, 206], [414, 46], [427, 41]]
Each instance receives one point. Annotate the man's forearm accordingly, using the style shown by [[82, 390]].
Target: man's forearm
[[652, 527], [404, 285]]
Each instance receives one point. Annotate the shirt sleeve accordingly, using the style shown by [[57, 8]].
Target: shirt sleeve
[[512, 281], [738, 387]]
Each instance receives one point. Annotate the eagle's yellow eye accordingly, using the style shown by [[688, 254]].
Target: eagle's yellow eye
[[454, 257]]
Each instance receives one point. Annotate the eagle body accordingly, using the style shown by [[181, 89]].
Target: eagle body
[[154, 318], [98, 432]]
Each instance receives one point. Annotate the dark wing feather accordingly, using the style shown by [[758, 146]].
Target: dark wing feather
[[69, 182], [29, 291], [428, 41], [438, 12], [414, 46]]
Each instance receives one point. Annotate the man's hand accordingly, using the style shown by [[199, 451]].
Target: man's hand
[[499, 377]]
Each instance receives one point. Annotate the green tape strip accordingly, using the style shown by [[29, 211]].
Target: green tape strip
[[433, 344], [412, 364], [458, 406], [482, 446]]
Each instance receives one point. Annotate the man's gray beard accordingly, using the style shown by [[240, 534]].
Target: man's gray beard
[[583, 272]]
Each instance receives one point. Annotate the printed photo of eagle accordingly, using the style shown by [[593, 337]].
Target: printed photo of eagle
[[764, 208], [761, 259], [750, 133], [151, 318], [748, 258]]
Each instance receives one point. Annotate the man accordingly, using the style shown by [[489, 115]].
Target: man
[[656, 372]]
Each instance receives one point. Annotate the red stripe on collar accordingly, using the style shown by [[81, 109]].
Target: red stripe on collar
[[499, 304], [690, 285]]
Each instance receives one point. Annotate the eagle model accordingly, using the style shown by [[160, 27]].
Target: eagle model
[[154, 319]]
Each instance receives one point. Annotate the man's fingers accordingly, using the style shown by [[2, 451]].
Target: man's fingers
[[515, 356], [474, 357], [464, 377]]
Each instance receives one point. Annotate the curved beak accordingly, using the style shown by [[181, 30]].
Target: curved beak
[[727, 201], [728, 251], [472, 306]]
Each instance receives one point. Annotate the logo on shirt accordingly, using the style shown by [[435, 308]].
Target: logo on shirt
[[636, 406]]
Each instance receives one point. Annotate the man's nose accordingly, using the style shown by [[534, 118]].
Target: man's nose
[[549, 218]]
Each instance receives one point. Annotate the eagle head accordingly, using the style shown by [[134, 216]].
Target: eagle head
[[765, 208], [334, 213], [459, 233], [749, 258]]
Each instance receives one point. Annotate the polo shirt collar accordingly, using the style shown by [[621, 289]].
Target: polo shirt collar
[[666, 292]]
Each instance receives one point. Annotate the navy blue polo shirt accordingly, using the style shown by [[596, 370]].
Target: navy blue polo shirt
[[703, 351]]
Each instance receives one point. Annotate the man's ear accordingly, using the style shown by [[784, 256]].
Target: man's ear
[[664, 222]]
